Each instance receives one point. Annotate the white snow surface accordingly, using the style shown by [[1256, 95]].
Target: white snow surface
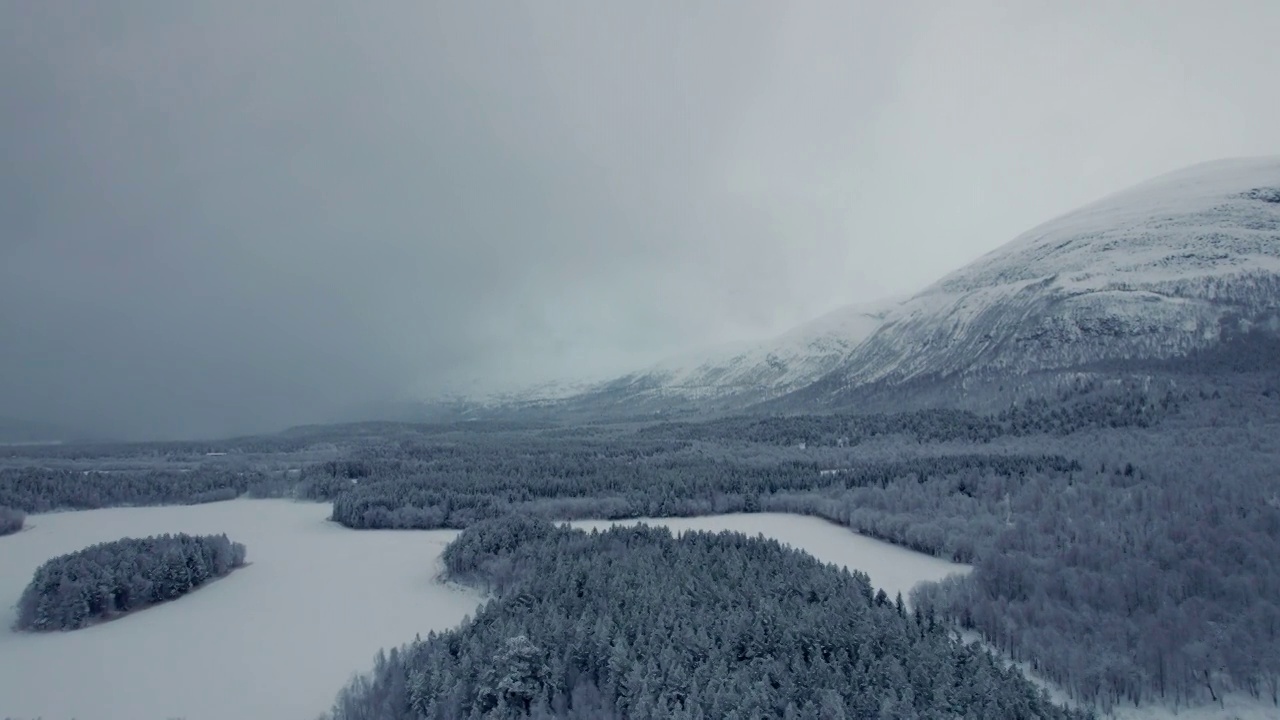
[[891, 568], [1152, 271], [275, 639]]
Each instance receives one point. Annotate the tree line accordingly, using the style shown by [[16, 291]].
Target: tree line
[[459, 494], [1068, 412], [40, 489], [11, 520]]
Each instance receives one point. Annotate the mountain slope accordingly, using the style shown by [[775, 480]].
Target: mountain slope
[[744, 373], [1171, 266]]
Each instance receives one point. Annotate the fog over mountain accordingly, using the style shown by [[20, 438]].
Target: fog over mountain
[[224, 217]]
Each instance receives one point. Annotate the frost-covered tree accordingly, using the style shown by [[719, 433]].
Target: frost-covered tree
[[521, 677], [11, 520]]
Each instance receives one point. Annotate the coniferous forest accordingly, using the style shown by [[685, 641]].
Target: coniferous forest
[[631, 623], [110, 579]]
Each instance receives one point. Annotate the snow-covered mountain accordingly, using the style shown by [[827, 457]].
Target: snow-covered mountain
[[727, 376], [1171, 266], [479, 392], [750, 372], [477, 398], [1154, 272]]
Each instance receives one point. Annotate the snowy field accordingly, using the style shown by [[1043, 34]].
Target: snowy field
[[891, 568], [276, 639]]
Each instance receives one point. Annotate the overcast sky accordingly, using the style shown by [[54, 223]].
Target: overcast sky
[[230, 215]]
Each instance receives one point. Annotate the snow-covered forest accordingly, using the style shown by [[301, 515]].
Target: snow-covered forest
[[1130, 560], [110, 579], [633, 623]]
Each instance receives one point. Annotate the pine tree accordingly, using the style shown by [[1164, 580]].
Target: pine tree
[[522, 675]]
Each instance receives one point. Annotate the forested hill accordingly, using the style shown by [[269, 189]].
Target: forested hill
[[632, 623]]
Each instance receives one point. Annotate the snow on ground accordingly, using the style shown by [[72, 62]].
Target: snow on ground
[[891, 568], [276, 639]]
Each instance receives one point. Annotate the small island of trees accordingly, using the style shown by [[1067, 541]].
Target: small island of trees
[[110, 579]]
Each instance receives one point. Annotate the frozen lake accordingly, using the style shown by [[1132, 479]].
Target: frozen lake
[[279, 638]]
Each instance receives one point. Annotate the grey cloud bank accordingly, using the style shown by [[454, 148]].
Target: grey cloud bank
[[223, 217]]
